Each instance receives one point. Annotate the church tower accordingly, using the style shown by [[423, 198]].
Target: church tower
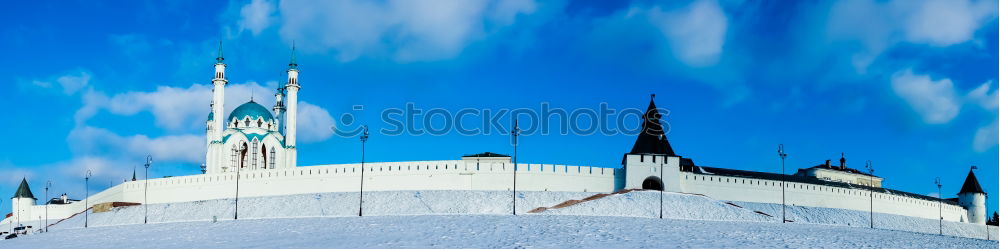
[[21, 202], [215, 118], [973, 199], [292, 89]]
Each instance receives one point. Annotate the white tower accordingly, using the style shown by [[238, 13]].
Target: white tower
[[21, 203], [214, 157], [973, 199], [292, 89]]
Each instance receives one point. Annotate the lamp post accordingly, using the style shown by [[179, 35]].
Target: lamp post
[[145, 190], [937, 181], [662, 188], [86, 200], [361, 194], [514, 133], [48, 184], [236, 207], [781, 153], [871, 193]]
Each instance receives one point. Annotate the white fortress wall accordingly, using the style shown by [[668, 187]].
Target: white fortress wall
[[813, 195], [747, 189], [380, 176]]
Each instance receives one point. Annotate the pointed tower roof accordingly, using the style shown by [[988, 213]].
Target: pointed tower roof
[[133, 174], [24, 191], [292, 64], [219, 59], [652, 139], [971, 185]]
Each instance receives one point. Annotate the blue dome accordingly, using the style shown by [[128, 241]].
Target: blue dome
[[251, 109]]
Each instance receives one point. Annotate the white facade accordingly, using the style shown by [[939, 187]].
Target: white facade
[[977, 206], [251, 138]]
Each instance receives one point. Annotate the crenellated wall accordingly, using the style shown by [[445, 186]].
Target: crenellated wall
[[386, 176], [472, 175], [748, 189]]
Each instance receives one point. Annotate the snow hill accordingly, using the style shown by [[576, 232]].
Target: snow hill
[[474, 214]]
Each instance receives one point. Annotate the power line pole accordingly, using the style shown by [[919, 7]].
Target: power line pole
[[86, 200], [871, 193], [937, 181], [145, 190], [515, 132], [781, 153], [361, 194]]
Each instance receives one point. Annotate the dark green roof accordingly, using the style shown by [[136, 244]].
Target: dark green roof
[[24, 191], [486, 154]]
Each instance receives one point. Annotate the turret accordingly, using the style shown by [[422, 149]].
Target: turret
[[21, 202], [292, 89], [973, 199], [650, 153], [214, 125]]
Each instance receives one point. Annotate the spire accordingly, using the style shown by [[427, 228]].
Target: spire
[[133, 173], [219, 59], [24, 191], [652, 139], [292, 64], [971, 185]]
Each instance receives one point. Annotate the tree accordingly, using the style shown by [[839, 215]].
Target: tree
[[994, 220]]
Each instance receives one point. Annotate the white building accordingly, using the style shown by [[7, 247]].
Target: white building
[[258, 147], [251, 138]]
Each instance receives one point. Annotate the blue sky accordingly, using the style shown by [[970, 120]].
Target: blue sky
[[910, 85]]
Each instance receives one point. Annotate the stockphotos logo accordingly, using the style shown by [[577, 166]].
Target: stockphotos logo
[[546, 120]]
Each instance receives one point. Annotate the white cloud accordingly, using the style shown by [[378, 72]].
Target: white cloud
[[315, 123], [984, 97], [70, 83], [256, 16], [934, 100], [874, 26], [399, 29], [174, 108], [696, 33], [986, 137], [94, 141], [945, 22]]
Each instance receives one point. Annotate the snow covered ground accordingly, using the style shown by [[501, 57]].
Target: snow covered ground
[[481, 219], [485, 231]]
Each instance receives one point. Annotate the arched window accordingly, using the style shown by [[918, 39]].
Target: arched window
[[253, 162], [272, 158], [263, 153]]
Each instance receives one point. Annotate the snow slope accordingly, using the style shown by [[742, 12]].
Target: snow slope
[[617, 216], [485, 231]]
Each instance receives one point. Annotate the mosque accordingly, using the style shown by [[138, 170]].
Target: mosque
[[259, 147]]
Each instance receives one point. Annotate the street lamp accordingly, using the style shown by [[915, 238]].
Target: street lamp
[[781, 153], [145, 190], [48, 184], [86, 199], [871, 193], [236, 208], [361, 193], [515, 132], [937, 181], [662, 188]]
